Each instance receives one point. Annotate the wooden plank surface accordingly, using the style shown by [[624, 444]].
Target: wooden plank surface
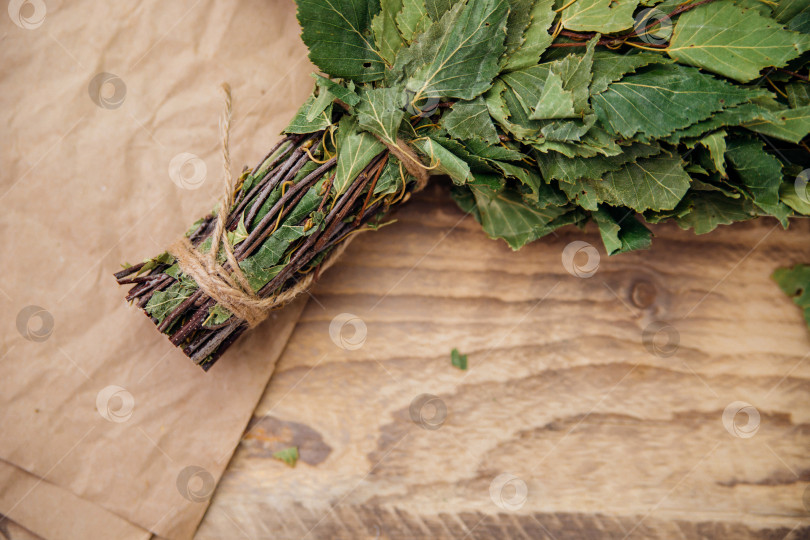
[[592, 407]]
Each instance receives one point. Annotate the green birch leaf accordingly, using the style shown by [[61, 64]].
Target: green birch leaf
[[796, 194], [725, 189], [457, 56], [217, 315], [760, 174], [663, 99], [595, 142], [349, 97], [716, 144], [272, 249], [437, 8], [603, 142], [576, 73], [795, 282], [446, 162], [798, 93], [300, 124], [324, 100], [727, 39], [490, 181], [261, 267], [470, 120], [308, 203], [679, 211], [517, 22], [705, 211], [380, 111], [648, 184], [476, 161], [338, 34], [518, 122], [533, 188], [527, 33], [734, 116], [390, 180], [787, 10], [801, 22], [609, 67], [164, 302], [556, 166], [570, 76], [550, 195], [356, 149], [173, 271], [413, 19], [606, 16], [507, 215], [571, 130], [696, 169], [620, 230], [755, 5], [386, 34], [791, 125], [501, 153], [581, 193], [527, 177], [240, 234], [780, 211], [554, 101], [544, 194], [464, 198], [526, 85], [496, 102]]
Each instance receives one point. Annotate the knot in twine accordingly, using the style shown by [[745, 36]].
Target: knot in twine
[[228, 285]]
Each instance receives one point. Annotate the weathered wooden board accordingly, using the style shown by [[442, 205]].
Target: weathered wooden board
[[605, 433]]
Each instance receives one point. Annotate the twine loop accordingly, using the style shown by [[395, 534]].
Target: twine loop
[[410, 161]]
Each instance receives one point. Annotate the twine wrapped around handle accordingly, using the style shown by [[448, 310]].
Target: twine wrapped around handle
[[228, 284], [412, 163]]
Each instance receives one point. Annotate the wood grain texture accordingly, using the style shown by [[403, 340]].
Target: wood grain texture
[[612, 432]]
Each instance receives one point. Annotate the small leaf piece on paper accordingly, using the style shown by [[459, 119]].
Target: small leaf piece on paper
[[458, 360], [287, 455]]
